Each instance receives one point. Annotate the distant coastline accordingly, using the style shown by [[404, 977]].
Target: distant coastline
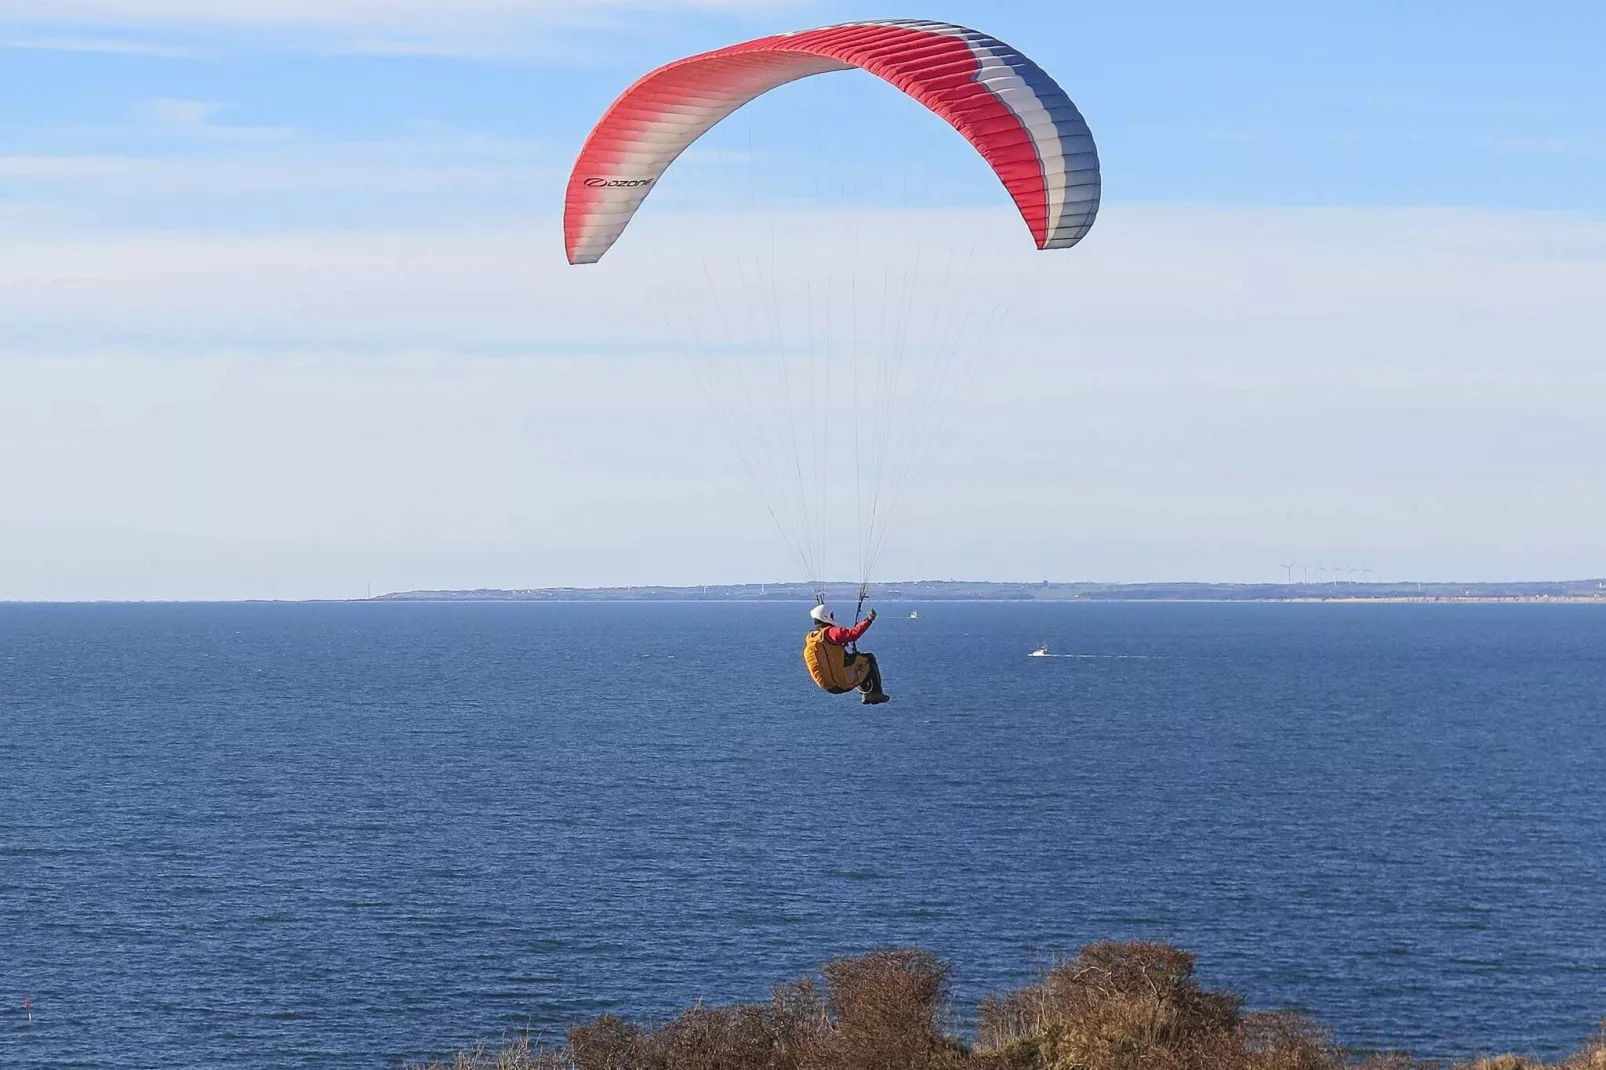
[[1557, 591]]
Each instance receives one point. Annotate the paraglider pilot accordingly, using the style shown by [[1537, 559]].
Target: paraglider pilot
[[836, 668]]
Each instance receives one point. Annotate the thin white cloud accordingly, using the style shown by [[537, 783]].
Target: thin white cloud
[[374, 169], [1151, 268], [375, 14], [183, 113], [102, 45], [524, 29], [202, 119], [1418, 389]]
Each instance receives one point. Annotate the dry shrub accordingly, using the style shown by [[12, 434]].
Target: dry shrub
[[1393, 1060], [608, 1043], [1501, 1062], [881, 1011], [887, 1010], [779, 1035], [1284, 1041], [1112, 1007], [516, 1055], [724, 1038], [799, 1023], [1593, 1054]]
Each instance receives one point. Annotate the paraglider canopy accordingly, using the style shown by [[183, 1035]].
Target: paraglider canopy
[[828, 331], [1017, 117]]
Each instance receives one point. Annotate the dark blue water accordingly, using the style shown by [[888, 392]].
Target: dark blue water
[[347, 835]]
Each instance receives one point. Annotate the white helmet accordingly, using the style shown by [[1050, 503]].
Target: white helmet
[[823, 614]]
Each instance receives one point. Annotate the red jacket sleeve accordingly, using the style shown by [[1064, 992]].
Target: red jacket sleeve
[[844, 636]]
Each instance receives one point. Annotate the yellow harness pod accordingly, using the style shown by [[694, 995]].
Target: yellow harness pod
[[828, 664]]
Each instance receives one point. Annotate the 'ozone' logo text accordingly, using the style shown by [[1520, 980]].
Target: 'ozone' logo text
[[618, 183]]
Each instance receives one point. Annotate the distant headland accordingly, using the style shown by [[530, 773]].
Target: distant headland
[[1593, 590]]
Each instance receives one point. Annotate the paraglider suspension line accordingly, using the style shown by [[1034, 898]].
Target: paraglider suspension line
[[858, 612]]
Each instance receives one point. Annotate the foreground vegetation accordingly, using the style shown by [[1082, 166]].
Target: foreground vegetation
[[1113, 1007]]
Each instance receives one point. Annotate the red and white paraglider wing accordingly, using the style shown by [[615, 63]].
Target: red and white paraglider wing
[[1014, 114]]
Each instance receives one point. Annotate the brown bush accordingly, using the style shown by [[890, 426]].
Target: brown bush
[[799, 1022], [888, 1011], [1113, 1007], [726, 1038], [1393, 1060], [516, 1055], [779, 1035], [880, 1011], [608, 1043], [1593, 1054], [1284, 1041], [1500, 1062]]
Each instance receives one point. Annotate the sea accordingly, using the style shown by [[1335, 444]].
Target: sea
[[362, 835]]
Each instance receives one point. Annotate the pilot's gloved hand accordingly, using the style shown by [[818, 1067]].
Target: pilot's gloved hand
[[870, 615]]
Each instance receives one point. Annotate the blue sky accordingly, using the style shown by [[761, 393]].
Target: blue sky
[[1481, 104], [244, 243]]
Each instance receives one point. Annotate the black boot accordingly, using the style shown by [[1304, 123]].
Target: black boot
[[873, 695]]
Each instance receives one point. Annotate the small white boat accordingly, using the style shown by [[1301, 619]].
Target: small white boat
[[915, 615], [1040, 652]]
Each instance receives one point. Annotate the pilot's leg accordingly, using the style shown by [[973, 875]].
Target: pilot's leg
[[871, 686]]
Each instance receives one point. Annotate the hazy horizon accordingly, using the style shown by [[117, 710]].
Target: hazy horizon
[[880, 590]]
